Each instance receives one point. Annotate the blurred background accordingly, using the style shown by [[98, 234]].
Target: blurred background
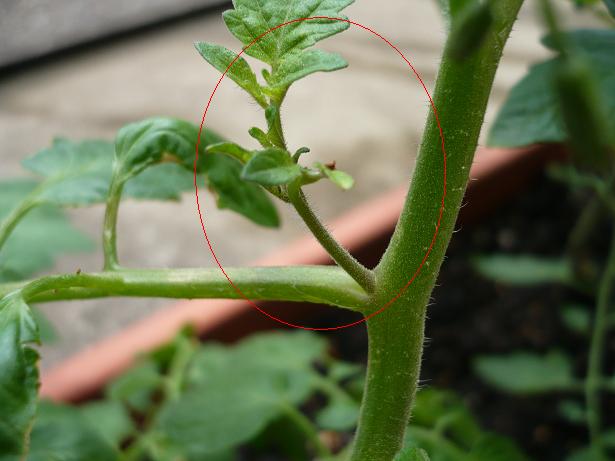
[[82, 69]]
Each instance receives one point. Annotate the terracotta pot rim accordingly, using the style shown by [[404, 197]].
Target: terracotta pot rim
[[87, 371]]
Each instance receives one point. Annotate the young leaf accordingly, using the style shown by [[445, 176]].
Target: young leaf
[[523, 270], [231, 149], [340, 178], [223, 177], [531, 113], [18, 375], [524, 373], [412, 454], [271, 167], [260, 136], [295, 66], [250, 20], [240, 72], [266, 28]]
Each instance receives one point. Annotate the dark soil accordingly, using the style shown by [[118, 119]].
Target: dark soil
[[471, 316]]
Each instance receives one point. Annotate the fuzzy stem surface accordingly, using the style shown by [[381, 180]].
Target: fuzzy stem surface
[[317, 284], [338, 253], [396, 335]]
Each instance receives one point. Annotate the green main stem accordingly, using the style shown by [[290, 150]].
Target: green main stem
[[593, 383], [396, 335]]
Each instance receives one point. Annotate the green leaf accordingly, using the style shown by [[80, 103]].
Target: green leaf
[[412, 454], [282, 350], [279, 351], [577, 318], [148, 142], [580, 104], [524, 269], [584, 454], [110, 419], [341, 371], [570, 175], [249, 20], [231, 149], [62, 433], [38, 238], [608, 437], [76, 173], [143, 144], [433, 407], [235, 392], [271, 167], [572, 411], [136, 387], [298, 65], [165, 181], [260, 136], [240, 72], [220, 415], [525, 373], [610, 5], [531, 113], [339, 178], [496, 448], [18, 375], [340, 414], [223, 177]]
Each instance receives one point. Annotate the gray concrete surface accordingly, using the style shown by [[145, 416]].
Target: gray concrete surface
[[33, 28], [367, 117]]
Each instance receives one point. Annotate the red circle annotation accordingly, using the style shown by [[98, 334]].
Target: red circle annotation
[[441, 209]]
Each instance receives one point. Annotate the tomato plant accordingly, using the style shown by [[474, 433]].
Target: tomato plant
[[187, 401]]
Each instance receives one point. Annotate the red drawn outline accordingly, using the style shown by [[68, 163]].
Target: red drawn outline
[[433, 240]]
